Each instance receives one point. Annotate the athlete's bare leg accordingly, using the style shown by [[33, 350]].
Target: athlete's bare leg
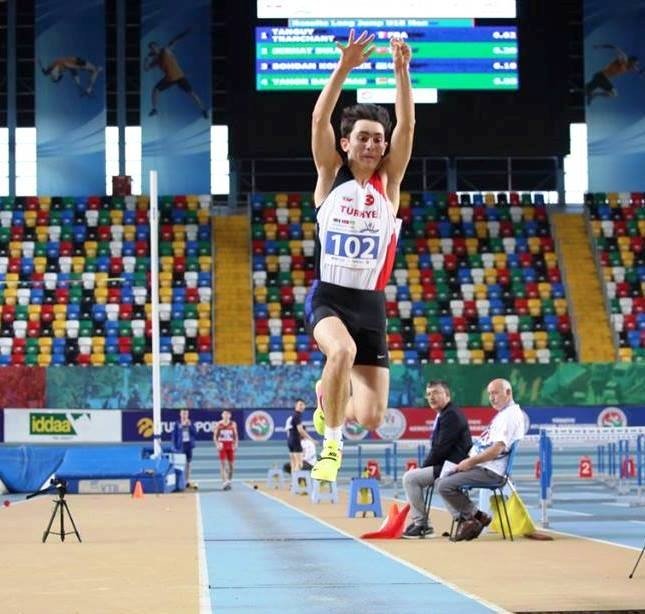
[[336, 343], [370, 390]]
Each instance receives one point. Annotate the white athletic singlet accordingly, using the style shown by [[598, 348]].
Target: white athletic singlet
[[357, 234]]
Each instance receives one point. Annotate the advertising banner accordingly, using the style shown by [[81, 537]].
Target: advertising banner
[[269, 424], [204, 386], [418, 423], [70, 96], [137, 425], [606, 416], [70, 426], [23, 387], [176, 94]]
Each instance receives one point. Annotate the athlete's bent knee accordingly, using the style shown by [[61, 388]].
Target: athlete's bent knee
[[342, 356], [373, 420]]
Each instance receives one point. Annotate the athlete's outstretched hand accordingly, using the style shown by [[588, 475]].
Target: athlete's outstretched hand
[[356, 51], [401, 53]]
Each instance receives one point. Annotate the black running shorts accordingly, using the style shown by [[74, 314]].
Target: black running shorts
[[361, 311]]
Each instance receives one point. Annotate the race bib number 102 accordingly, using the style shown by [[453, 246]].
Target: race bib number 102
[[350, 250]]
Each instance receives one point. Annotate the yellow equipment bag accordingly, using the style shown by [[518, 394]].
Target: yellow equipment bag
[[518, 515]]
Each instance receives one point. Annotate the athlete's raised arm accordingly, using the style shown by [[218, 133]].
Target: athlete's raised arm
[[323, 141], [400, 151]]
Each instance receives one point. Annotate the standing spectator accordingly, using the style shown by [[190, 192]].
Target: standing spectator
[[295, 433], [486, 464], [183, 440], [226, 439], [308, 455]]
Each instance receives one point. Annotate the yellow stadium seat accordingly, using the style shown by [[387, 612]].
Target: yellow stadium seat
[[45, 345], [34, 312], [625, 354], [434, 245], [165, 279], [90, 249], [166, 263], [205, 264], [203, 327], [178, 248], [40, 264], [44, 360], [191, 358], [59, 327], [530, 355], [560, 305], [541, 339], [101, 295], [477, 356], [179, 232], [481, 291], [499, 323], [129, 232], [97, 359]]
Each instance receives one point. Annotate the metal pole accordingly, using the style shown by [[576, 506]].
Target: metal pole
[[12, 79], [121, 118], [154, 300]]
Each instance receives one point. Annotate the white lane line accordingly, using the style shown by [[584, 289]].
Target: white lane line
[[205, 606], [560, 510], [427, 574]]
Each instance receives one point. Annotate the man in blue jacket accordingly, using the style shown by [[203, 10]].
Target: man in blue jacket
[[451, 441], [183, 441]]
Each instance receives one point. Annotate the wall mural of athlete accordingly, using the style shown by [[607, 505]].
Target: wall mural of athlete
[[601, 84], [72, 65], [165, 59]]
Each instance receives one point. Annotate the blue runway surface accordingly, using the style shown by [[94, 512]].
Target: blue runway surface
[[264, 556]]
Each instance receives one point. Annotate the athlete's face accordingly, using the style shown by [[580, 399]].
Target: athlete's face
[[226, 416], [365, 144]]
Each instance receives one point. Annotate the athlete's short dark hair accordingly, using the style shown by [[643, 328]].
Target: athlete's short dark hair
[[373, 112]]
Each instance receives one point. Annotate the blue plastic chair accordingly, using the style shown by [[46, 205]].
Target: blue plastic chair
[[498, 493]]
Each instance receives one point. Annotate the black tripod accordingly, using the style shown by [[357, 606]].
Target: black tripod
[[640, 556], [61, 507]]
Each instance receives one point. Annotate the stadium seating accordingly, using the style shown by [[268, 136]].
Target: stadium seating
[[617, 223], [75, 273], [475, 280]]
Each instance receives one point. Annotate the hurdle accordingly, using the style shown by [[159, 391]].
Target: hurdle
[[392, 454], [612, 447]]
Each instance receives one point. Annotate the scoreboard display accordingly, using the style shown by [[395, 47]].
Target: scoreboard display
[[447, 54]]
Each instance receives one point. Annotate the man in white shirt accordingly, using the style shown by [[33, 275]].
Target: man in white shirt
[[486, 462]]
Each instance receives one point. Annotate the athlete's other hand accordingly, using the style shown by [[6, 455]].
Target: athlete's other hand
[[357, 50], [401, 53]]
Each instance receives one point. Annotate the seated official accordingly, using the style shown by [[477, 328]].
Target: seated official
[[450, 441], [486, 464]]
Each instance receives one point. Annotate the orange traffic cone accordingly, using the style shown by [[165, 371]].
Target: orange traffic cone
[[393, 526], [137, 493]]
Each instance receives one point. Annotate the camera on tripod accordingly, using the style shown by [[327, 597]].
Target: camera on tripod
[[60, 486]]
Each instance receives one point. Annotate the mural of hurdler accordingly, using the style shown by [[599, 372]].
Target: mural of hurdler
[[601, 83], [164, 58], [73, 65]]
